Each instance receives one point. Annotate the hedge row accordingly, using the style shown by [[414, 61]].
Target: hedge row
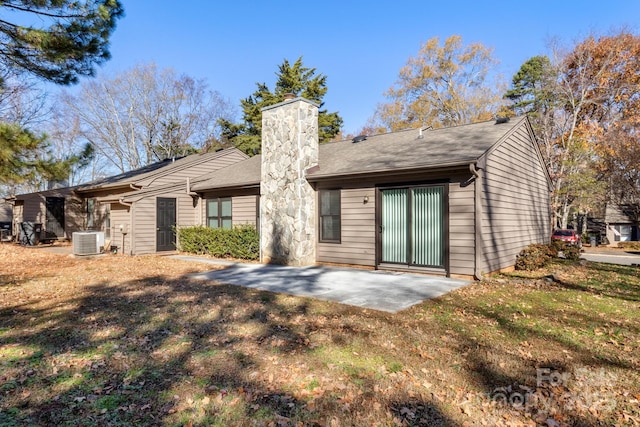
[[240, 241]]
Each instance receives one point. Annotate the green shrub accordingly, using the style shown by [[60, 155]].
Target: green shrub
[[240, 241], [535, 256], [630, 246]]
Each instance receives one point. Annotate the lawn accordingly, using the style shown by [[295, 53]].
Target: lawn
[[116, 340]]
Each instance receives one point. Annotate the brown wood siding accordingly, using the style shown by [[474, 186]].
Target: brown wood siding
[[515, 201], [186, 210], [243, 210], [75, 216], [461, 228], [358, 238], [145, 219], [34, 209], [144, 226], [6, 211], [196, 170], [120, 217]]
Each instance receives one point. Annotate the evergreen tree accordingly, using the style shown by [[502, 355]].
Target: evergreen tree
[[530, 92], [292, 78], [22, 157], [60, 40]]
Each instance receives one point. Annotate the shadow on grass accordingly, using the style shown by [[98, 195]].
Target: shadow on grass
[[623, 288], [535, 363], [165, 352], [420, 413]]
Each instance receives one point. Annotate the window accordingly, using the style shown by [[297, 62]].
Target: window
[[91, 211], [622, 233], [219, 213], [330, 216]]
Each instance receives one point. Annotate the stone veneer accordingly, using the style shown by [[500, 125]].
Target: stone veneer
[[287, 200]]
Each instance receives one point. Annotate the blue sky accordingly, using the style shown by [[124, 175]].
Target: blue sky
[[360, 46]]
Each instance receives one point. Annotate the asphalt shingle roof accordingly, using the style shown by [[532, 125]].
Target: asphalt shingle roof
[[153, 170], [403, 150]]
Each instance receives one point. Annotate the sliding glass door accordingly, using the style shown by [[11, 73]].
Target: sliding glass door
[[412, 226]]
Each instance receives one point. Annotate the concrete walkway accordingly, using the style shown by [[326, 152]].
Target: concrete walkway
[[385, 291]]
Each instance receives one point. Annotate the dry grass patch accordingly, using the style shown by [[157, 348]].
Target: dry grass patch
[[119, 340]]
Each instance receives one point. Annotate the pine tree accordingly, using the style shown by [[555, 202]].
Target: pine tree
[[292, 78], [530, 86], [69, 38]]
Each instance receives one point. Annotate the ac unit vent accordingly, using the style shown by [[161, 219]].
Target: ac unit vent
[[87, 242]]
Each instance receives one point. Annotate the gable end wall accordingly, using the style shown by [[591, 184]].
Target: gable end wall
[[515, 201], [196, 170]]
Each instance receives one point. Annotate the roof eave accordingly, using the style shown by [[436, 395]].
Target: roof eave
[[205, 189], [101, 187], [315, 177]]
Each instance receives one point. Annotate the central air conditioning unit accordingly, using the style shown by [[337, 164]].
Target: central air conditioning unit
[[87, 242]]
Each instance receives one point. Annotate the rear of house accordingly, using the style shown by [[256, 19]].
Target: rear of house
[[137, 210], [143, 219], [461, 201], [456, 220]]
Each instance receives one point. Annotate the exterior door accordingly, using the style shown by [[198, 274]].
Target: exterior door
[[165, 224], [412, 226], [54, 220]]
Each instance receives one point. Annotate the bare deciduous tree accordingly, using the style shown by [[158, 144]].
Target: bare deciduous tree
[[22, 101], [145, 114]]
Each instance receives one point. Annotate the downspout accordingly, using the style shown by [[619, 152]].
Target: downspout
[[189, 192], [477, 173]]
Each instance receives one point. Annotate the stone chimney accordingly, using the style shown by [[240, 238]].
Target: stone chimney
[[287, 201]]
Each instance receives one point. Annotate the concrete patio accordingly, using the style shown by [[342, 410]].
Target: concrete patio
[[377, 290]]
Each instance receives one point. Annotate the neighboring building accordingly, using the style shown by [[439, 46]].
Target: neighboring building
[[620, 223], [6, 219], [6, 210], [460, 201], [58, 211], [113, 205]]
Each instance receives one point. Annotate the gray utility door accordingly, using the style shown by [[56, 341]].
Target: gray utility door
[[54, 226], [165, 224], [412, 226]]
